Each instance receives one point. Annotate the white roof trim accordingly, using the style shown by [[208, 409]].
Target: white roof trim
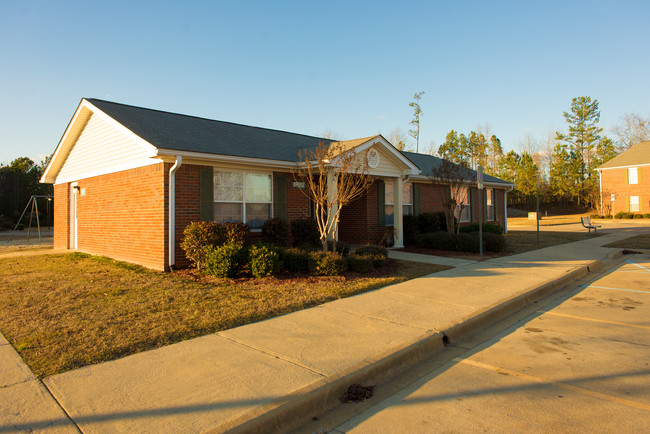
[[84, 111], [160, 152], [133, 164], [623, 167], [412, 168]]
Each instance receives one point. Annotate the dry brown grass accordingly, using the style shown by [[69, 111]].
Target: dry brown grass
[[636, 242], [523, 241], [62, 312], [547, 221]]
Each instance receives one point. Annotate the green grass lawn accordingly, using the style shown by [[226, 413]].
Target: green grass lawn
[[63, 312]]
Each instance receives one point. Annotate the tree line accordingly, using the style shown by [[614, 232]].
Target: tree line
[[567, 164], [18, 182]]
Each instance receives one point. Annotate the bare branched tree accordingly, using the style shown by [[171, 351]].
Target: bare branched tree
[[334, 176], [454, 179], [632, 129]]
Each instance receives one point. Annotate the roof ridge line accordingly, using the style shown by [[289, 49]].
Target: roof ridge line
[[207, 119]]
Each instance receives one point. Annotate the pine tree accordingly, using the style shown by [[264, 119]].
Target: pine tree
[[583, 136]]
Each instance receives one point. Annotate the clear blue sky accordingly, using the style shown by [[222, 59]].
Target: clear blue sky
[[307, 66]]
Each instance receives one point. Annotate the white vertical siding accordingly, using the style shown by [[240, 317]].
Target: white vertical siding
[[100, 148]]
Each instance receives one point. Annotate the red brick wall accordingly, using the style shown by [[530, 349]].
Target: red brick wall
[[297, 202], [430, 197], [61, 216], [359, 222], [122, 215], [614, 181]]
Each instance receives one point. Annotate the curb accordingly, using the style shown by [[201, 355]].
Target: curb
[[280, 415]]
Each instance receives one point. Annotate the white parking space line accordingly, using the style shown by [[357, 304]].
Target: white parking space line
[[570, 387], [637, 265], [596, 320], [615, 289]]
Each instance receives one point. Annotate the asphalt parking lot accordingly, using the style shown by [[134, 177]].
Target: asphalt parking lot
[[581, 364]]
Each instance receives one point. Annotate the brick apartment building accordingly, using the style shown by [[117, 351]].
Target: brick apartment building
[[625, 181], [128, 180]]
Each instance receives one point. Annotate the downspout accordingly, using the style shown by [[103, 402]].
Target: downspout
[[600, 182], [172, 211], [505, 209]]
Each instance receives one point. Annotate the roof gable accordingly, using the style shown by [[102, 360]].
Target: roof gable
[[637, 155], [171, 131]]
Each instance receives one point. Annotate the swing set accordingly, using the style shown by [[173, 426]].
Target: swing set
[[33, 204]]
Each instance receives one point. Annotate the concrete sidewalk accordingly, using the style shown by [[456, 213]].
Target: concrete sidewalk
[[260, 376]]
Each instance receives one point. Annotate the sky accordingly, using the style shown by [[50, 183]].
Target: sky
[[349, 67]]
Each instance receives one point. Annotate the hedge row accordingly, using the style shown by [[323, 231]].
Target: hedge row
[[463, 242]]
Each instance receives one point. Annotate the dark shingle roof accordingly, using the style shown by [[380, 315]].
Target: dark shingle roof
[[193, 134], [427, 163], [178, 132]]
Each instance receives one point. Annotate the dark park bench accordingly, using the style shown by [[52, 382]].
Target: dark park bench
[[586, 222]]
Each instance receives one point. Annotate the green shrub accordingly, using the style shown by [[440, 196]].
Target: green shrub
[[198, 236], [437, 240], [264, 260], [360, 263], [467, 242], [410, 229], [619, 215], [327, 263], [646, 215], [237, 233], [638, 216], [494, 228], [341, 247], [609, 216], [370, 249], [595, 216], [228, 260], [428, 222], [493, 242], [295, 260], [628, 215], [378, 260], [20, 227], [276, 231], [305, 232]]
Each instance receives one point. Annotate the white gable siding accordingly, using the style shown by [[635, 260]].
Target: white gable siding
[[101, 148]]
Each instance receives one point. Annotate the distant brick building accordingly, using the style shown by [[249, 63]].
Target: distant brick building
[[128, 180], [625, 181]]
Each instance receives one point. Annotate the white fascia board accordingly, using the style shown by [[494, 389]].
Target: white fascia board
[[48, 177], [200, 156], [82, 114], [623, 167], [146, 146], [486, 183], [133, 164], [412, 169]]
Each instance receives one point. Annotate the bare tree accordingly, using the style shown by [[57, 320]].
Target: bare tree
[[398, 139], [329, 133], [632, 130], [334, 176], [454, 179]]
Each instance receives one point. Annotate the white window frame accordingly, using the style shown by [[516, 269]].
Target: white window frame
[[632, 175], [489, 208], [244, 202], [405, 195], [634, 203], [466, 216]]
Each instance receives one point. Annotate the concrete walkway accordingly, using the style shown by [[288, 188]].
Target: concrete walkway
[[259, 377], [429, 259]]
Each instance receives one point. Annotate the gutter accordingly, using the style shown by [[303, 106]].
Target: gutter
[[172, 211]]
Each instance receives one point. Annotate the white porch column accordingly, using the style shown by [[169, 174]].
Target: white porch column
[[332, 183], [397, 212]]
